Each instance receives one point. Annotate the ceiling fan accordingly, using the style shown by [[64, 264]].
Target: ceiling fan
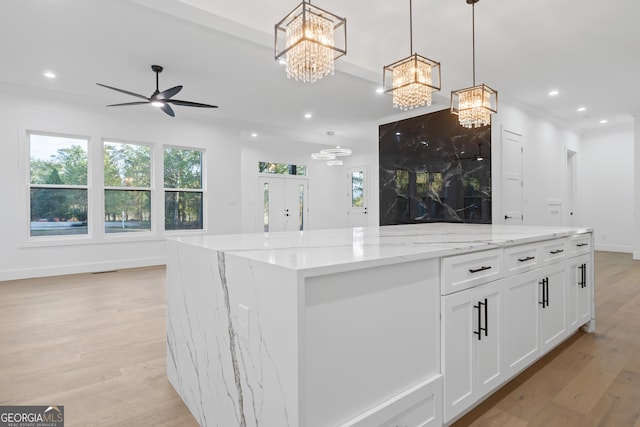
[[157, 98]]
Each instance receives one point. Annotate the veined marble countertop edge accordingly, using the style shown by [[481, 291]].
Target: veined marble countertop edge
[[327, 251]]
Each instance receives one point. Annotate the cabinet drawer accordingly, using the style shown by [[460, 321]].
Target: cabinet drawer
[[580, 244], [553, 250], [469, 270], [519, 259]]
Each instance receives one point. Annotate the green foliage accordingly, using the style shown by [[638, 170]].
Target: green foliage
[[182, 168]]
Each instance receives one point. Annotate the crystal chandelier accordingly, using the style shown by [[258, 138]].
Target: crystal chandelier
[[309, 40], [474, 105], [412, 80]]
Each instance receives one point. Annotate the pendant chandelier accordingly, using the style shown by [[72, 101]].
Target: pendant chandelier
[[413, 79], [474, 105], [309, 40]]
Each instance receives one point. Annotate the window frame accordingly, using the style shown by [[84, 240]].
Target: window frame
[[95, 188], [153, 215], [202, 190], [25, 165]]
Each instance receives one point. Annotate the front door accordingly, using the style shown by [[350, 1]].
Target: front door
[[282, 204], [357, 196]]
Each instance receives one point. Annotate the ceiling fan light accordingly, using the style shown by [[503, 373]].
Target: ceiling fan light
[[157, 104]]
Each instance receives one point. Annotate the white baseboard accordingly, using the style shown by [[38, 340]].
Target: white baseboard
[[636, 255], [95, 267], [614, 248]]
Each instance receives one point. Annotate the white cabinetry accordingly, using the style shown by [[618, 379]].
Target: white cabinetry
[[472, 338], [579, 285], [535, 315]]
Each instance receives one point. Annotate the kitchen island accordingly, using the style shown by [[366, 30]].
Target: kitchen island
[[407, 325]]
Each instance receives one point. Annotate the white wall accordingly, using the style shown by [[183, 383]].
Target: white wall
[[606, 177], [544, 162], [227, 173]]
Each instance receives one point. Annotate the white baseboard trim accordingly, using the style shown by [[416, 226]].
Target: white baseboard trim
[[95, 267], [614, 248], [636, 255]]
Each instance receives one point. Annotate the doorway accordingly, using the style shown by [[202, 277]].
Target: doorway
[[357, 181], [512, 185], [282, 204], [569, 219]]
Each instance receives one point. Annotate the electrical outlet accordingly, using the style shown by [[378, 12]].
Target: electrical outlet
[[243, 321]]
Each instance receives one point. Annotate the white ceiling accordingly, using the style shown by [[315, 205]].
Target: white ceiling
[[222, 52]]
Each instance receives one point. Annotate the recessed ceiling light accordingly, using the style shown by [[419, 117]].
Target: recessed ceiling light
[[307, 116], [581, 109], [603, 121], [254, 135], [49, 75], [553, 93], [398, 134], [379, 90]]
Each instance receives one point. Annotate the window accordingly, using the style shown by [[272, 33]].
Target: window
[[357, 189], [127, 187], [58, 192], [183, 192], [282, 168]]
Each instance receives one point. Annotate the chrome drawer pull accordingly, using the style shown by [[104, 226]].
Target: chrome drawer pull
[[479, 269]]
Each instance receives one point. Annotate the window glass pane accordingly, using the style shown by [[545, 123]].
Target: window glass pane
[[402, 181], [182, 168], [126, 211], [58, 211], [357, 189], [127, 165], [301, 206], [422, 183], [182, 210], [266, 206], [281, 168], [57, 160]]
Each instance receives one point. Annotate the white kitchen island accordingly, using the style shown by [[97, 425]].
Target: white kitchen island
[[407, 325]]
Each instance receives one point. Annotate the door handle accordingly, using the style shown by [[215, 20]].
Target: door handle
[[480, 305], [545, 292], [506, 217]]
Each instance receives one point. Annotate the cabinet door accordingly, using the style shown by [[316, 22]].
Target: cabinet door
[[471, 346], [584, 285], [521, 321], [489, 348], [553, 328]]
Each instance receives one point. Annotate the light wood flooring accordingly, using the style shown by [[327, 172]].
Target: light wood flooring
[[95, 343]]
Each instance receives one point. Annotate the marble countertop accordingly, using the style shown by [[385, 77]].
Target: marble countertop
[[342, 249]]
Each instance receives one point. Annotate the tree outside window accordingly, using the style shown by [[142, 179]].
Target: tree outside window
[[127, 194], [183, 200], [58, 189]]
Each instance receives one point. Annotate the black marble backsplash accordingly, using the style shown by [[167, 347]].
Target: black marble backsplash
[[434, 170]]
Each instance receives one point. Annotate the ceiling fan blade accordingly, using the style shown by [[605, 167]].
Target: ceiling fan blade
[[190, 104], [128, 103], [167, 109], [166, 94], [123, 91]]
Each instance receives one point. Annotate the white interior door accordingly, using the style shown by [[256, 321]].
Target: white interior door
[[282, 204], [571, 188], [357, 181], [512, 186]]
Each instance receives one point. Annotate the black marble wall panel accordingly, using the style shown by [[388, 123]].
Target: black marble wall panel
[[434, 170]]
